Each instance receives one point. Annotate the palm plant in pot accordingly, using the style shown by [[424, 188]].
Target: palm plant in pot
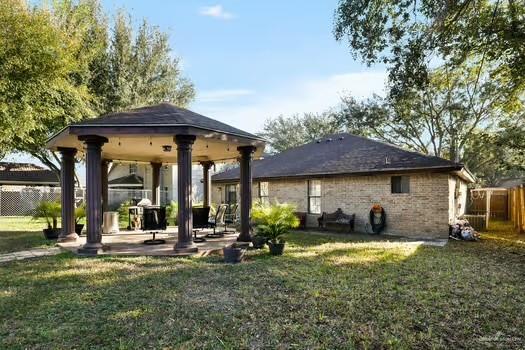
[[80, 214], [273, 222], [50, 211]]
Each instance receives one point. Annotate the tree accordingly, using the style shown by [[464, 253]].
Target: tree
[[458, 116], [287, 132], [410, 36], [103, 71], [37, 61]]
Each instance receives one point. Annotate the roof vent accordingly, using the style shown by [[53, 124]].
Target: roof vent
[[328, 140], [318, 141], [387, 160], [341, 137]]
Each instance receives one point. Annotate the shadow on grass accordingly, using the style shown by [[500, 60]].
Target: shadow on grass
[[325, 292]]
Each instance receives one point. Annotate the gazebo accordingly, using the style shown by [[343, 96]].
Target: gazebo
[[158, 134]]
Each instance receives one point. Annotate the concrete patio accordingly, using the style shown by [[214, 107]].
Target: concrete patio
[[131, 243]]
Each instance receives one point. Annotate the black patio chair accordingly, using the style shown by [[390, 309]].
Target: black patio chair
[[231, 218], [216, 221], [200, 221], [155, 221]]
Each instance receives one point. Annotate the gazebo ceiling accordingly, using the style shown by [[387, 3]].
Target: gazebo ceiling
[[145, 134]]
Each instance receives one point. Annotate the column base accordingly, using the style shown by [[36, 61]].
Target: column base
[[71, 237], [92, 249], [244, 238], [185, 248]]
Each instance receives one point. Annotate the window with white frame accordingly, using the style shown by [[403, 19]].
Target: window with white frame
[[133, 168], [314, 196], [264, 193]]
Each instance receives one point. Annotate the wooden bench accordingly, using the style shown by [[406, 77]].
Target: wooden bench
[[338, 219]]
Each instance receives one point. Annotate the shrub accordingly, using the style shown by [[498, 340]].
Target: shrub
[[80, 213], [171, 211], [50, 211], [274, 220]]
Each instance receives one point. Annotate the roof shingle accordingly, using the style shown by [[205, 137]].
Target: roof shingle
[[340, 154]]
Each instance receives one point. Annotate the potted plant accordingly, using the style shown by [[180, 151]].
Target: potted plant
[[80, 213], [273, 222], [50, 211], [258, 241], [233, 253]]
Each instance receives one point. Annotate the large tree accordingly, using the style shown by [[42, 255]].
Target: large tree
[[104, 69], [411, 36], [286, 132]]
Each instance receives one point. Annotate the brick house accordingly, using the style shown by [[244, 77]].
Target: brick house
[[421, 194]]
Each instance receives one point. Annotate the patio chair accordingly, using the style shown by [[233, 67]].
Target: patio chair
[[200, 221], [155, 221], [232, 218], [216, 221]]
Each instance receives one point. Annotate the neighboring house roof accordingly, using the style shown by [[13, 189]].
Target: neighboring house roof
[[27, 174], [131, 180], [341, 154], [164, 114], [511, 183]]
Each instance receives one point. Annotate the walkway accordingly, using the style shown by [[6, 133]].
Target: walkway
[[28, 254]]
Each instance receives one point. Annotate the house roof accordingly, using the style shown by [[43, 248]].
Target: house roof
[[131, 180], [341, 154], [27, 174], [164, 114]]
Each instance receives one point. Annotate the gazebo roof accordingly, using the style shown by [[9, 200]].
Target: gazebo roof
[[140, 134]]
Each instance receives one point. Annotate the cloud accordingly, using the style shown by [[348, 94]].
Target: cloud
[[222, 95], [309, 95], [216, 11]]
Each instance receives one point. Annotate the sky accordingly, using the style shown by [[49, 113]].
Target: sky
[[253, 60]]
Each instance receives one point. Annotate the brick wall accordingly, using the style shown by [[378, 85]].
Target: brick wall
[[424, 212]]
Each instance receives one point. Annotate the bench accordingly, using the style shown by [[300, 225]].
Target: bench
[[337, 218]]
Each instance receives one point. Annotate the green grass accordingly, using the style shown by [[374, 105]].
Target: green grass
[[21, 233], [326, 292]]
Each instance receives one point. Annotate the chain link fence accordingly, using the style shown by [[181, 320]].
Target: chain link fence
[[22, 200]]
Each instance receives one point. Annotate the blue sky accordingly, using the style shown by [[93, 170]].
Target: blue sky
[[251, 60]]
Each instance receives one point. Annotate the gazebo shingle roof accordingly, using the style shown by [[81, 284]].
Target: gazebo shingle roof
[[164, 114], [340, 154]]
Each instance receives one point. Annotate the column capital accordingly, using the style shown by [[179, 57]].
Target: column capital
[[206, 163], [67, 151], [93, 139], [246, 150], [156, 164], [184, 139]]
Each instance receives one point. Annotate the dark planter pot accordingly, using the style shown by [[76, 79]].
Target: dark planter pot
[[232, 254], [79, 228], [51, 233], [258, 242], [276, 248]]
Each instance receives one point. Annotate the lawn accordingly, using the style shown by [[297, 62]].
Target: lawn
[[325, 292], [20, 233]]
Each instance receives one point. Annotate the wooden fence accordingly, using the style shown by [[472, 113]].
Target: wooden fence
[[516, 205]]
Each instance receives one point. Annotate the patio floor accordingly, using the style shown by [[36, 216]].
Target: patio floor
[[131, 243]]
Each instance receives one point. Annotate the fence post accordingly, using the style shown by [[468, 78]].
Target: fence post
[[521, 229]]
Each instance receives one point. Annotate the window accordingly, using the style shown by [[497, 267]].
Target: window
[[133, 168], [263, 193], [314, 196], [400, 184], [231, 194]]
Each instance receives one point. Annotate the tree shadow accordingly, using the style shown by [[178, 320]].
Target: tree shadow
[[325, 292]]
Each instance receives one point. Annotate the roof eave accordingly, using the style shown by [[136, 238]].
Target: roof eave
[[456, 167]]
